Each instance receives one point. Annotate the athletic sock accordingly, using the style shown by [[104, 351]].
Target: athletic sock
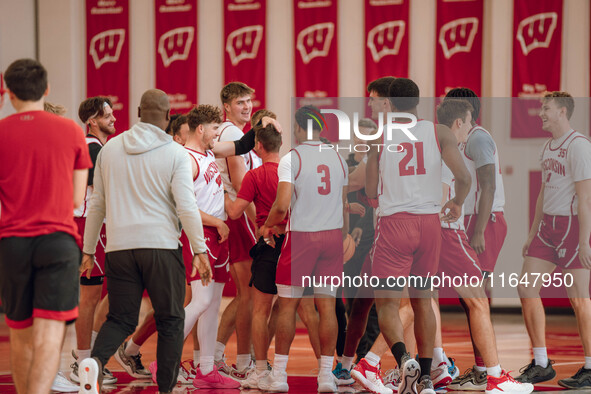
[[206, 364], [82, 354], [541, 356], [494, 371], [587, 362], [347, 362], [479, 368], [340, 359], [218, 354], [425, 364], [479, 361], [280, 363], [446, 359], [438, 356], [93, 336], [242, 361], [196, 357], [132, 349], [261, 366], [372, 359], [398, 350], [325, 365]]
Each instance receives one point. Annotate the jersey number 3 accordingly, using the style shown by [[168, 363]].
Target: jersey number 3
[[409, 151], [324, 170]]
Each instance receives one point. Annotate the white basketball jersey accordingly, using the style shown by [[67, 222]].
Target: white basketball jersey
[[82, 210], [208, 187], [560, 171], [318, 175], [410, 180], [230, 132], [473, 197], [447, 177]]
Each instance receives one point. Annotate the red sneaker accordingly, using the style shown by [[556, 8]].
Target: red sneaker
[[369, 377], [153, 367]]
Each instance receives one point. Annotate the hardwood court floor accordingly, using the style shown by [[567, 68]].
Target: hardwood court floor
[[514, 347]]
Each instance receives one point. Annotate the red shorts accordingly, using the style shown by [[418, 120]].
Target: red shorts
[[99, 255], [217, 253], [310, 254], [241, 239], [557, 241], [494, 237], [406, 244], [457, 256]]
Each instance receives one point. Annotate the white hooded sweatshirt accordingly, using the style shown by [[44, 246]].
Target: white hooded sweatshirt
[[143, 186]]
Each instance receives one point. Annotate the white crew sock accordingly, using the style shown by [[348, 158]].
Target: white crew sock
[[325, 365], [261, 366], [372, 359], [494, 371], [587, 362], [479, 368], [82, 354], [541, 356], [206, 364], [132, 349], [93, 336], [280, 363], [347, 362], [242, 361], [196, 357], [219, 351], [438, 357]]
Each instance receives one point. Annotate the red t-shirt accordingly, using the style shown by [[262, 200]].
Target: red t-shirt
[[38, 153], [260, 186]]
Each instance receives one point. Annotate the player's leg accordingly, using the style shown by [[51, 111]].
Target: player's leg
[[21, 356], [47, 338], [100, 317], [90, 295], [262, 304], [310, 317], [243, 315]]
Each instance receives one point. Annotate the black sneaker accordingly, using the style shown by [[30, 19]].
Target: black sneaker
[[582, 379], [533, 373]]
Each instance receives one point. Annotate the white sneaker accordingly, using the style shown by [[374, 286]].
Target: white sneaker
[[89, 373], [327, 383], [274, 381], [409, 374], [252, 381], [505, 384], [392, 379], [440, 376], [369, 377], [63, 385]]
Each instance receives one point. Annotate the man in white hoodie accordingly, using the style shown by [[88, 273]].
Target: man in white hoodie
[[143, 186]]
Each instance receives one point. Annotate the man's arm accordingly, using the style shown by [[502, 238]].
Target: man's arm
[[279, 208], [244, 144], [212, 221], [371, 174], [235, 208], [452, 158], [536, 223], [94, 220], [487, 185], [583, 190], [80, 180]]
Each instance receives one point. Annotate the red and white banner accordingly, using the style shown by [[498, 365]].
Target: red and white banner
[[176, 52], [386, 39], [107, 59], [245, 46], [316, 59], [458, 53], [537, 51]]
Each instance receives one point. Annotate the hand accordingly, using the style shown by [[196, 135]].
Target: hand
[[356, 235], [267, 234], [526, 247], [201, 265], [477, 242], [223, 231], [585, 255], [451, 211], [268, 120], [87, 264], [356, 209]]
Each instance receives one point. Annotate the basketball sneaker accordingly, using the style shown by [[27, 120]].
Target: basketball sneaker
[[108, 377], [392, 379], [471, 380], [440, 376], [274, 381], [327, 383], [252, 381], [90, 376], [533, 373], [369, 377], [409, 374], [63, 385], [425, 386], [343, 376], [132, 364], [213, 380], [188, 370], [580, 380], [452, 369], [505, 384], [223, 368]]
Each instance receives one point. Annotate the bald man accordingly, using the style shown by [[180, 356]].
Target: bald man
[[143, 185]]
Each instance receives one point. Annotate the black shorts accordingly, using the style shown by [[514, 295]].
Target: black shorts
[[39, 277], [264, 265]]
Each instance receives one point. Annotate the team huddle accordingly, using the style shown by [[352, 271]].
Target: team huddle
[[177, 205]]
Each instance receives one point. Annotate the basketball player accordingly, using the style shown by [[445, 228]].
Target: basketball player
[[457, 258], [178, 128], [559, 236], [313, 180], [237, 102], [97, 114], [408, 232], [39, 241]]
